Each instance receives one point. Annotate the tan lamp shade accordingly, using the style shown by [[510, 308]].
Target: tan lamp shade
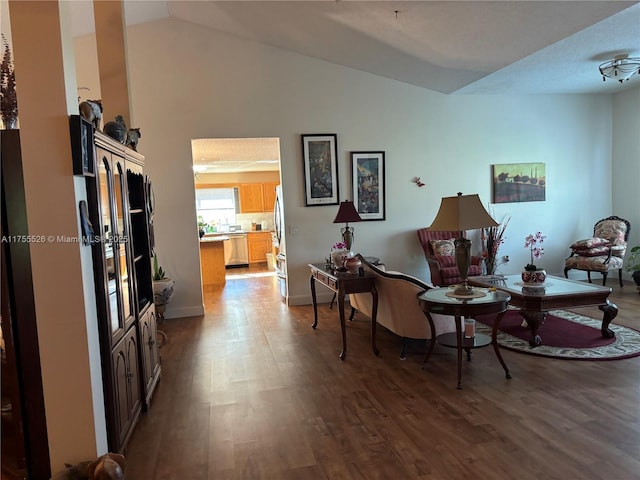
[[460, 213]]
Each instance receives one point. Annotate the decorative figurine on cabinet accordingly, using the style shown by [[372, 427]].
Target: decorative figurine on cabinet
[[133, 135], [117, 129], [91, 111]]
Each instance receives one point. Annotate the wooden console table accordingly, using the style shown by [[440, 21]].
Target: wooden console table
[[437, 300], [343, 283]]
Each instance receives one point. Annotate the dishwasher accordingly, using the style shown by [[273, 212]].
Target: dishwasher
[[236, 251]]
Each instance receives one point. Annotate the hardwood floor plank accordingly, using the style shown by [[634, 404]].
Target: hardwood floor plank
[[251, 391]]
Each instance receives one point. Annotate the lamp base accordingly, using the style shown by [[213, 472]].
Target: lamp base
[[463, 290]]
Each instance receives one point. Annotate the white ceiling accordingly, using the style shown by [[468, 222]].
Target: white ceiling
[[453, 47], [231, 155]]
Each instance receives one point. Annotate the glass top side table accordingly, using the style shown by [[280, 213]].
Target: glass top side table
[[439, 300]]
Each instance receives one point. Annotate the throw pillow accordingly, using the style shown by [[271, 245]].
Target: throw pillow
[[443, 247], [590, 243], [593, 252]]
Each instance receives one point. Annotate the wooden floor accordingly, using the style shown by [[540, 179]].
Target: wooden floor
[[251, 391]]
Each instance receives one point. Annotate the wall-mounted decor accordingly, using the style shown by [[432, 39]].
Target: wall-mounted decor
[[368, 184], [519, 182], [82, 146], [320, 157]]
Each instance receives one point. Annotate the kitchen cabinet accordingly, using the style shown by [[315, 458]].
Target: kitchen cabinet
[[120, 210], [251, 198], [212, 260], [259, 244], [269, 196], [257, 197]]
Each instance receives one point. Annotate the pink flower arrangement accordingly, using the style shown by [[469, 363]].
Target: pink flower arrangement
[[339, 246], [532, 242]]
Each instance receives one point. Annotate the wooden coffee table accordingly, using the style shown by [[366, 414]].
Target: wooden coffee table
[[535, 301]]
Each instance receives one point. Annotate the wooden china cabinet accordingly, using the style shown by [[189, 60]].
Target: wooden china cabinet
[[120, 209]]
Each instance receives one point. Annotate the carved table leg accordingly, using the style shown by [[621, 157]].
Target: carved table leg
[[494, 341], [459, 342], [610, 311], [374, 319], [312, 285], [432, 340], [534, 320], [343, 328]]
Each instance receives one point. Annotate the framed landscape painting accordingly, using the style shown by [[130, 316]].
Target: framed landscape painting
[[320, 157], [368, 184], [519, 182]]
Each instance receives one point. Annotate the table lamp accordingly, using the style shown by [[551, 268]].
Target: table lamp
[[347, 213], [460, 213]]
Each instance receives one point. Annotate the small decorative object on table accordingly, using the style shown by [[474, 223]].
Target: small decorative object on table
[[352, 264], [339, 253], [531, 273]]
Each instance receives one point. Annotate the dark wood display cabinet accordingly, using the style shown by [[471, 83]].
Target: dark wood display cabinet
[[118, 199]]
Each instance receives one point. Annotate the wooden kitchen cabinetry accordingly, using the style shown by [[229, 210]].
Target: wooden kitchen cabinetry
[[251, 198], [120, 211], [269, 196], [259, 244], [257, 197]]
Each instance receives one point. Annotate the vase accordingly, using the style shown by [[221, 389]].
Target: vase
[[534, 276], [338, 257], [352, 264], [490, 266]]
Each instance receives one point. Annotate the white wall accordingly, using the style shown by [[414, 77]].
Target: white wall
[[188, 82], [626, 160]]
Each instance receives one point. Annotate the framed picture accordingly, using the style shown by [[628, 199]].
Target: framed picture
[[82, 146], [368, 184], [519, 182], [320, 157]]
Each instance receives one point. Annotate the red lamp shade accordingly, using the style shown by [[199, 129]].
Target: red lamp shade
[[347, 213]]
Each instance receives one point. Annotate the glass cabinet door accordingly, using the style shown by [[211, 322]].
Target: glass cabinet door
[[122, 242], [105, 175]]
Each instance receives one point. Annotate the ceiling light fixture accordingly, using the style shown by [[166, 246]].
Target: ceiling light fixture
[[621, 68]]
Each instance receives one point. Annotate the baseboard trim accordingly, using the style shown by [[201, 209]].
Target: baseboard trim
[[192, 311]]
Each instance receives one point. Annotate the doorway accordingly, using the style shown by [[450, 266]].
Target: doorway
[[235, 181]]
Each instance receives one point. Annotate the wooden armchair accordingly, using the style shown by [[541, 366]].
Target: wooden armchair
[[603, 252], [439, 251]]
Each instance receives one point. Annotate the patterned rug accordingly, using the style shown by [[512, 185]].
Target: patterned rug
[[565, 335]]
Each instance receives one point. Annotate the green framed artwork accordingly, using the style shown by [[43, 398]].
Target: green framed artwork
[[519, 182]]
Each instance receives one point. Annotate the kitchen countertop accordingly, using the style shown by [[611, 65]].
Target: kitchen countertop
[[229, 234], [214, 238]]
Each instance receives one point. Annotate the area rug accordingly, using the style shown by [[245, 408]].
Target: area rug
[[564, 335]]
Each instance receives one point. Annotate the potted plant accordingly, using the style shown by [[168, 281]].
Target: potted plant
[[633, 265], [531, 272], [163, 288]]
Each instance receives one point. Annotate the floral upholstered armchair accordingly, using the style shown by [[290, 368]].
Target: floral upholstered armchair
[[603, 252], [439, 251]]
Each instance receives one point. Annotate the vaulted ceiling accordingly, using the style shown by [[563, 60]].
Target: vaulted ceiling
[[453, 47]]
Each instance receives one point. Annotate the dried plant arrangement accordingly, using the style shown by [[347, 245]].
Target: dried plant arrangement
[[8, 98]]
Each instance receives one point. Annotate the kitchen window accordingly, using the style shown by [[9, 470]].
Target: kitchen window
[[217, 207]]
